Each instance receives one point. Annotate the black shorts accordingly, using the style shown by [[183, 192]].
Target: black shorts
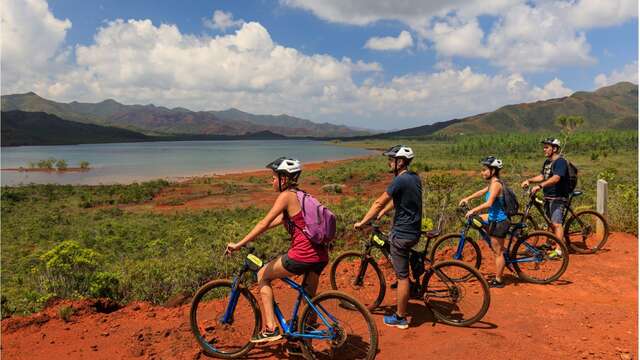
[[498, 229], [301, 268]]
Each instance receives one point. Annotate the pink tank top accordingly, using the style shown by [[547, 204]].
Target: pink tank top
[[302, 249]]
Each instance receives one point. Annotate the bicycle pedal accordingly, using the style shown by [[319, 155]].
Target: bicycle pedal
[[293, 350]]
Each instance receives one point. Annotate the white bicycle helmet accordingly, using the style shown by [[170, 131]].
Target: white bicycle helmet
[[551, 141], [492, 161], [285, 165], [399, 151]]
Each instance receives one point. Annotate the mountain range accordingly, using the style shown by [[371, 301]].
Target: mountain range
[[611, 107], [159, 120]]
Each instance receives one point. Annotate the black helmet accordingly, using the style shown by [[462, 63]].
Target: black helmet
[[492, 162], [551, 141]]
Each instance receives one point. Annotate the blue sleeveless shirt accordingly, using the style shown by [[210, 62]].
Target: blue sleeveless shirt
[[496, 211]]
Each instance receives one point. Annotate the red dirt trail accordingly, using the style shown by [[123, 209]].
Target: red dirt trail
[[591, 313]]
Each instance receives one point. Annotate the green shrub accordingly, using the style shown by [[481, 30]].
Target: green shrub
[[84, 164], [68, 269], [61, 164], [104, 285], [65, 313]]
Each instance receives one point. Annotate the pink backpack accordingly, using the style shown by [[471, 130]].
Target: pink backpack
[[320, 222]]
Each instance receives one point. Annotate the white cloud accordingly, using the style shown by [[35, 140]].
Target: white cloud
[[32, 42], [136, 61], [628, 73], [390, 43], [463, 40], [526, 36], [553, 89], [222, 21], [596, 13]]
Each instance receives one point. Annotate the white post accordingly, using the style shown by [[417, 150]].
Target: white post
[[602, 195]]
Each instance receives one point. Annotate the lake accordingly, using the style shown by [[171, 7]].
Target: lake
[[131, 162]]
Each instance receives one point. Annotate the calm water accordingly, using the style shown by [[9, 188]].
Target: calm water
[[129, 162]]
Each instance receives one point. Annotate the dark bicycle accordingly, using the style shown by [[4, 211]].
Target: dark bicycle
[[452, 301], [533, 256], [585, 232], [225, 315]]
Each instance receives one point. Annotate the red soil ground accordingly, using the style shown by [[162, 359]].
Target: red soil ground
[[591, 313]]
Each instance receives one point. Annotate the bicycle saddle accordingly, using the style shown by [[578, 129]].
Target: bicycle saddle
[[432, 234]]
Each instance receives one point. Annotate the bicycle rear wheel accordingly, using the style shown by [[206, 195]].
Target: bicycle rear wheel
[[456, 293], [535, 258], [446, 247], [369, 289], [207, 310], [356, 334], [586, 232]]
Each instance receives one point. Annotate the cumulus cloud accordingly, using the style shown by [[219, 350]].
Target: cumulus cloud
[[32, 42], [628, 72], [222, 21], [136, 61], [553, 89], [403, 41], [526, 36]]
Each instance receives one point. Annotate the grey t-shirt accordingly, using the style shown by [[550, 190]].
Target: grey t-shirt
[[406, 191]]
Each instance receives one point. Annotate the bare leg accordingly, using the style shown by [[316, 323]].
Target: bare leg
[[558, 231], [498, 249], [273, 270], [403, 296]]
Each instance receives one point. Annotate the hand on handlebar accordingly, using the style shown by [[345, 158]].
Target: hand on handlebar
[[463, 203], [469, 214], [231, 248], [525, 184]]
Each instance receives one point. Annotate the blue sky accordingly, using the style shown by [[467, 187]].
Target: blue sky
[[360, 63]]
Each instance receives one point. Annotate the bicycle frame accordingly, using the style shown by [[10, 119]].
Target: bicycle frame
[[539, 205], [517, 229], [288, 327]]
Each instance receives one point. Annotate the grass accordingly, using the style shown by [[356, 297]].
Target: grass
[[141, 255]]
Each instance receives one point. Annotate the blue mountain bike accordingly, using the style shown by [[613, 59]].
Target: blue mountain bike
[[531, 255], [225, 315]]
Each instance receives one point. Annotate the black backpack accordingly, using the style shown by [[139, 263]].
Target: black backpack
[[511, 205], [572, 174]]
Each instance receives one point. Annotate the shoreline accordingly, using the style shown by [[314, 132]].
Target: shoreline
[[53, 170], [230, 173]]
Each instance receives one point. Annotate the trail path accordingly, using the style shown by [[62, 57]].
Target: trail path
[[590, 314]]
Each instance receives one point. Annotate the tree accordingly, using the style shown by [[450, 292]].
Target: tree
[[568, 125]]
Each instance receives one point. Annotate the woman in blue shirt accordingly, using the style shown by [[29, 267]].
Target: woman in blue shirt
[[497, 217]]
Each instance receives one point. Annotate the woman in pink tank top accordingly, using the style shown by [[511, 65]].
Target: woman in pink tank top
[[303, 256]]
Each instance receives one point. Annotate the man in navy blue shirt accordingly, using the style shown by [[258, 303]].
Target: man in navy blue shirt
[[554, 182], [405, 194]]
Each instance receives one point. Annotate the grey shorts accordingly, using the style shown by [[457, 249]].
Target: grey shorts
[[400, 252], [554, 209]]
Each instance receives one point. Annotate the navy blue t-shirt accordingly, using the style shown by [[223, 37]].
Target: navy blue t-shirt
[[406, 191], [560, 168]]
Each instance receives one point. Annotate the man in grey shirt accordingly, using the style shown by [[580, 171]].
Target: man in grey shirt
[[405, 194]]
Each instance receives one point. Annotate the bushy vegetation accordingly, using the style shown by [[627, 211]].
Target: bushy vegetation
[[77, 241]]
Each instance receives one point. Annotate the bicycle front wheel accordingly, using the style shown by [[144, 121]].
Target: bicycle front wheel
[[446, 248], [456, 293], [216, 338], [586, 232], [361, 279], [539, 257], [355, 335]]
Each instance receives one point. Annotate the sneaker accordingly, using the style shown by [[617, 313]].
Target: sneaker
[[397, 321], [267, 336], [496, 284]]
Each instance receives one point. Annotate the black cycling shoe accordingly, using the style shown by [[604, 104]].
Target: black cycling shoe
[[496, 284]]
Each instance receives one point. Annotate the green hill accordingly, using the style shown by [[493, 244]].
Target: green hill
[[611, 107], [38, 128]]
